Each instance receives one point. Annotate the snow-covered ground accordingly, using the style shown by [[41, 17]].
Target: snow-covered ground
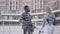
[[19, 30]]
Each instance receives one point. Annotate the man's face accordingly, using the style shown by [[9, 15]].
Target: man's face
[[27, 9]]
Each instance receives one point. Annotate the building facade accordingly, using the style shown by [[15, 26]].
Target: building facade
[[4, 4], [15, 8]]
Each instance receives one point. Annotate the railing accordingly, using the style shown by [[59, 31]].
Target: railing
[[18, 12], [10, 12], [41, 19]]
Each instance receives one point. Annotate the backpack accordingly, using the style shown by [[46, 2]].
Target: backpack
[[54, 22]]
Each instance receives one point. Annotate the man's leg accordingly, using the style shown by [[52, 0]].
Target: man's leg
[[24, 31], [30, 32], [51, 29], [46, 29]]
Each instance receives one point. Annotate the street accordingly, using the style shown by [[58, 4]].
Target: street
[[18, 30]]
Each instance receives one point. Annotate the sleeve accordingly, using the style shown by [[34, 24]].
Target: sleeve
[[44, 20], [54, 19], [22, 17], [53, 15]]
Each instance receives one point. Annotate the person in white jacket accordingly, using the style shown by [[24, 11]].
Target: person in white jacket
[[48, 20]]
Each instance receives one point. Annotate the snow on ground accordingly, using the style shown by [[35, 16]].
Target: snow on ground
[[19, 30]]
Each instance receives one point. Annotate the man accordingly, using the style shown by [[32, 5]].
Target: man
[[26, 21]]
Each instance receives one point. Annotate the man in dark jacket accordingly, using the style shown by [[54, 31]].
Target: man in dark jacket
[[26, 21]]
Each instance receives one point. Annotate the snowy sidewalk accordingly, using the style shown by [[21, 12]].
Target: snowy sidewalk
[[19, 30]]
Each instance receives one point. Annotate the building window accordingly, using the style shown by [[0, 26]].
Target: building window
[[16, 7], [1, 23], [6, 23], [15, 17], [40, 4], [32, 11], [14, 23], [38, 23], [40, 16], [57, 14], [10, 2], [33, 17], [7, 17], [16, 2], [11, 23], [10, 7]]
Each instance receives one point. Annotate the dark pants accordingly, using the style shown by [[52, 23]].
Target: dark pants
[[25, 31]]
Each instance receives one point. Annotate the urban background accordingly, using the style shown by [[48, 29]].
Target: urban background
[[11, 10]]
